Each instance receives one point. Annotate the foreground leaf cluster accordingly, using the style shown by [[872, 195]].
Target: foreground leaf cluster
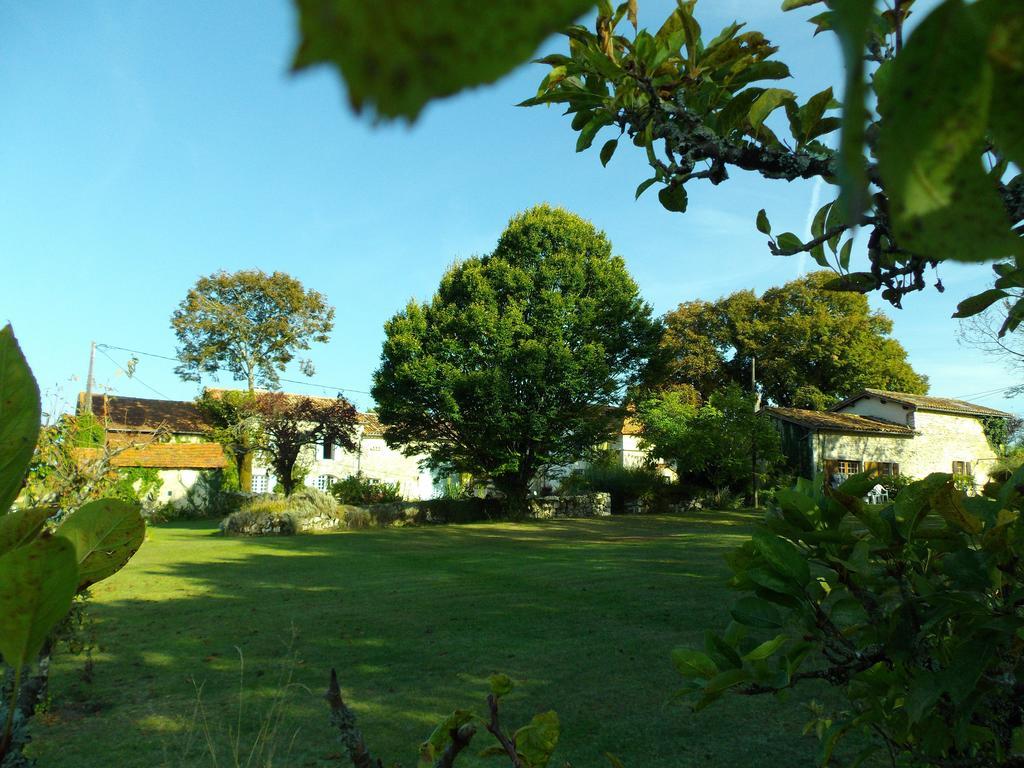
[[912, 610]]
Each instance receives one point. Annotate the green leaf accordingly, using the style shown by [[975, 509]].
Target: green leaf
[[844, 255], [851, 20], [613, 760], [979, 303], [608, 150], [437, 742], [397, 56], [105, 534], [535, 742], [1004, 27], [754, 612], [725, 680], [789, 5], [769, 100], [763, 225], [942, 202], [19, 417], [589, 131], [691, 663], [765, 649], [21, 526], [37, 583], [787, 241], [501, 684], [948, 503], [783, 557], [644, 186], [673, 198]]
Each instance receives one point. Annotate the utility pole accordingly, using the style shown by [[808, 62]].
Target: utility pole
[[753, 429], [89, 378]]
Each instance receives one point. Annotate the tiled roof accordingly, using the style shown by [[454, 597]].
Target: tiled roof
[[927, 402], [828, 421], [164, 456], [139, 414]]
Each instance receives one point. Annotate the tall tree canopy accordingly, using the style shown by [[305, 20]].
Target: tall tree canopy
[[515, 363], [813, 346], [249, 323]]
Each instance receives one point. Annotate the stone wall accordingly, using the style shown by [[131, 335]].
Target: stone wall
[[587, 505], [431, 512]]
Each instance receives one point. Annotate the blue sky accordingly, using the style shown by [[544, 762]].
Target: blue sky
[[144, 144]]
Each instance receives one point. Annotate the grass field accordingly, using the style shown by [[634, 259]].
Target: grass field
[[582, 614]]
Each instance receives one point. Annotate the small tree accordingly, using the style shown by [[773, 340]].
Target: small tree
[[249, 323], [234, 423], [722, 444], [289, 423], [520, 359]]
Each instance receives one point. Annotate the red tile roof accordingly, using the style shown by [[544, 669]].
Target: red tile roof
[[164, 456], [827, 421]]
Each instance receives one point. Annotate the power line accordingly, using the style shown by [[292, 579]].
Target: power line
[[131, 375], [287, 381]]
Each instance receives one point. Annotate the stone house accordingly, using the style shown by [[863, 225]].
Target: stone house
[[372, 458], [170, 436], [166, 435], [892, 432]]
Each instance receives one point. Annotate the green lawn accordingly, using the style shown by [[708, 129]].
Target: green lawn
[[582, 614]]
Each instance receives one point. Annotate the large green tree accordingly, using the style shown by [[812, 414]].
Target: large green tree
[[522, 356], [812, 346], [248, 323]]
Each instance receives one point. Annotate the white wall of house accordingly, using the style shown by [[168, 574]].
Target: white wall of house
[[888, 410], [941, 439], [176, 483], [372, 458]]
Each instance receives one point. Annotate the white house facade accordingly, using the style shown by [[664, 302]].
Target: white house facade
[[371, 458]]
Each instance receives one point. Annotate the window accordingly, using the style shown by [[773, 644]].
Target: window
[[260, 483], [328, 450], [962, 468], [888, 468], [323, 482], [847, 467]]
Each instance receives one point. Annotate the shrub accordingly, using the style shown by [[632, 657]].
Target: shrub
[[624, 484], [358, 518], [911, 611], [285, 515], [359, 490], [307, 502], [894, 483], [264, 517]]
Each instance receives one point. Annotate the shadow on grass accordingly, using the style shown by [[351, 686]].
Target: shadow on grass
[[582, 614]]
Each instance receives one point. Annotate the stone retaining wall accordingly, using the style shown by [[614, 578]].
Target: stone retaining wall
[[587, 505]]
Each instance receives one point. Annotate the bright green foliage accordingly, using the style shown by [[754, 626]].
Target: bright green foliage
[[711, 445], [359, 490], [812, 346], [40, 572], [249, 323], [521, 357], [910, 610], [37, 582], [934, 142], [19, 417], [106, 533], [233, 423], [397, 55]]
